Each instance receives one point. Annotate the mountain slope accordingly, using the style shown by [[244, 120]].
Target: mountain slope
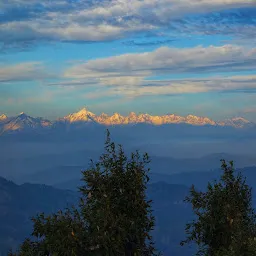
[[19, 203], [24, 122], [3, 118], [81, 116], [238, 122]]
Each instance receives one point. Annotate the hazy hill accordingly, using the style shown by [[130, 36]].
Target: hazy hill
[[19, 202], [200, 179], [167, 169], [65, 167]]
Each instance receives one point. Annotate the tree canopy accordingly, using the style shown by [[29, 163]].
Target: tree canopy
[[113, 218], [225, 222]]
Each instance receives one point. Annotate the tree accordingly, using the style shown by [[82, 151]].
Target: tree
[[114, 217], [225, 223]]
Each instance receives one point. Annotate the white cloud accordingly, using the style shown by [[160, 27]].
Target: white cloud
[[244, 83], [27, 71], [134, 68], [195, 86], [28, 31], [106, 20], [130, 75], [163, 11]]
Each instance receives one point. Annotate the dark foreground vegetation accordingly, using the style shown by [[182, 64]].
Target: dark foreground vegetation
[[115, 217]]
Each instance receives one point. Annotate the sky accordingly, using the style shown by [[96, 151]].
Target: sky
[[148, 56]]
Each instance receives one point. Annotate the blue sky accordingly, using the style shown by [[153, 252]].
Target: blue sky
[[169, 56]]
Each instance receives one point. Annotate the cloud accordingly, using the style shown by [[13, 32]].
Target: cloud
[[193, 86], [128, 69], [27, 32], [74, 83], [240, 23], [148, 43], [27, 71], [173, 87], [23, 23], [138, 74]]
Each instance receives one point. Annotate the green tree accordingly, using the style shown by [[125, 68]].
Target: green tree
[[225, 224], [114, 217]]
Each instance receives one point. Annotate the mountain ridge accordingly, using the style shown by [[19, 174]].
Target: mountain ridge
[[3, 117], [23, 121]]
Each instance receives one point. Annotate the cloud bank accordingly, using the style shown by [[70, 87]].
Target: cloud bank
[[139, 73], [176, 87], [24, 23], [167, 60], [149, 73]]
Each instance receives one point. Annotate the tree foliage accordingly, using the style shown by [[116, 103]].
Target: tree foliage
[[225, 224], [113, 218]]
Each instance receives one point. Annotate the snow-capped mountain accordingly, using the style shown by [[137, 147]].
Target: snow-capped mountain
[[84, 116], [116, 118], [3, 118], [80, 116], [23, 121], [238, 122]]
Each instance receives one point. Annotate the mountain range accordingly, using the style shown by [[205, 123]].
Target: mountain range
[[58, 169], [84, 116]]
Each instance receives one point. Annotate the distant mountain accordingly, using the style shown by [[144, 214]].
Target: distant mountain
[[64, 171], [19, 203], [200, 178], [24, 122], [3, 118], [117, 119], [238, 122], [81, 116], [84, 116]]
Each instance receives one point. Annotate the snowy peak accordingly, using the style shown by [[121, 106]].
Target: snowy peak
[[23, 121], [3, 117], [82, 115], [116, 118], [238, 122], [84, 111], [240, 119], [197, 120], [23, 116]]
